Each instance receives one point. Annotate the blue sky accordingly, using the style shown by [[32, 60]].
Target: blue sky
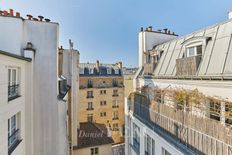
[[107, 30]]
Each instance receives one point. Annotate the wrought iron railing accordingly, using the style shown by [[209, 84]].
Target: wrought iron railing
[[13, 140], [13, 91]]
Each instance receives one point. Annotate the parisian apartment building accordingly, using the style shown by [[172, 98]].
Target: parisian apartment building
[[101, 97], [38, 97], [182, 101]]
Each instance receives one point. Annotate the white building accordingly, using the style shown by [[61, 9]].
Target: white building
[[200, 61], [33, 115]]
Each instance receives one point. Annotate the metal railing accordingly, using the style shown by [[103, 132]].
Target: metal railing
[[13, 140], [13, 91], [186, 137]]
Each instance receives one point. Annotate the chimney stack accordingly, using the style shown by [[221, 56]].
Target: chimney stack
[[146, 29], [169, 32], [230, 14], [97, 65], [119, 64], [150, 28], [11, 12]]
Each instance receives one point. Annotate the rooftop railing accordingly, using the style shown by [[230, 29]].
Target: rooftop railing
[[192, 133]]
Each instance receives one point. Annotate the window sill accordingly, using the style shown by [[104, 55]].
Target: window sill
[[14, 146], [13, 97]]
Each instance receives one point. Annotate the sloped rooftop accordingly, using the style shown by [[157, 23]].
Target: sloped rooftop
[[216, 58]]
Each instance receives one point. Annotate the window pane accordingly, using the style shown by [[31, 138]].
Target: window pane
[[199, 50], [14, 76], [9, 76]]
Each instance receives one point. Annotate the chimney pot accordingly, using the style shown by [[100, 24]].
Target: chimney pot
[[11, 12], [146, 29], [17, 14], [230, 14], [35, 19], [40, 18], [5, 13], [159, 30], [169, 32], [47, 20], [165, 30], [29, 17], [150, 28], [141, 29]]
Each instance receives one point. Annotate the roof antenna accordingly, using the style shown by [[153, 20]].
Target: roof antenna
[[70, 44]]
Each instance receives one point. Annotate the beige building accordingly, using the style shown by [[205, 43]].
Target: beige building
[[102, 97]]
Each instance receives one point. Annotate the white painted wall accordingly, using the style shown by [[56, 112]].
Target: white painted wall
[[71, 72], [149, 39], [45, 115], [10, 108]]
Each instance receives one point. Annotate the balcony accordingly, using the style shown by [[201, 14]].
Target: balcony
[[115, 118], [13, 92], [13, 141], [149, 68], [115, 106], [90, 109], [190, 133], [188, 66], [89, 97]]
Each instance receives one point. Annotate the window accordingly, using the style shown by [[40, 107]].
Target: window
[[115, 104], [91, 71], [103, 114], [116, 71], [81, 70], [115, 127], [194, 51], [90, 118], [149, 145], [114, 83], [89, 94], [94, 151], [90, 106], [90, 84], [13, 86], [102, 91], [136, 136], [103, 103], [109, 70], [115, 92], [115, 115], [13, 132], [165, 152]]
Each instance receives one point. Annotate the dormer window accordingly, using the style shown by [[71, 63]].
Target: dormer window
[[193, 51], [108, 70], [116, 71], [90, 71]]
